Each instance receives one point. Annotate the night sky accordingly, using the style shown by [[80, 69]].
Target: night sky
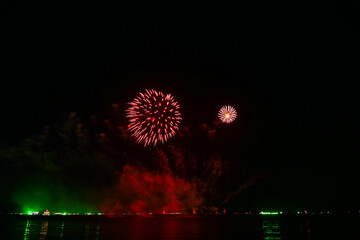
[[289, 69]]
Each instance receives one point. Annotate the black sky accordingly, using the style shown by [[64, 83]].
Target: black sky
[[289, 68]]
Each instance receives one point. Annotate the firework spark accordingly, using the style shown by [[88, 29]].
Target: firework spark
[[153, 117], [227, 114]]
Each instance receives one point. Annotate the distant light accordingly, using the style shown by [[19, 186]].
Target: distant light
[[269, 213]]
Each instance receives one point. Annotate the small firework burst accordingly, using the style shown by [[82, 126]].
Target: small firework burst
[[227, 114], [153, 117]]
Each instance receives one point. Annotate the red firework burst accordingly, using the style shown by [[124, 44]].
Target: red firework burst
[[227, 114], [153, 117]]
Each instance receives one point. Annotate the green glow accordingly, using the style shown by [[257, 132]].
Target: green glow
[[39, 194], [269, 213], [97, 232], [62, 230], [271, 229], [30, 212], [27, 230], [61, 213]]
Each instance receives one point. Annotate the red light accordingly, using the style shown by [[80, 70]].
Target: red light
[[149, 107]]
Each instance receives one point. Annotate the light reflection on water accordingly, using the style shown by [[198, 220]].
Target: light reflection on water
[[87, 230], [62, 230], [271, 228], [195, 227], [27, 229], [308, 230], [43, 230]]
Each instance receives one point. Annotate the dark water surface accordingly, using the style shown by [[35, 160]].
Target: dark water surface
[[180, 227]]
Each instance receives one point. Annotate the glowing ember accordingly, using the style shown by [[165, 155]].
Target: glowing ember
[[227, 114], [153, 117]]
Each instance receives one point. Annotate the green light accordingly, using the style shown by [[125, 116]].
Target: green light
[[269, 213], [27, 230], [62, 230]]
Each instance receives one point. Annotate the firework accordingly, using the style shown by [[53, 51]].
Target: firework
[[153, 117], [227, 114]]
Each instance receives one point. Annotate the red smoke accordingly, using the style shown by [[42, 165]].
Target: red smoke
[[197, 174], [139, 190]]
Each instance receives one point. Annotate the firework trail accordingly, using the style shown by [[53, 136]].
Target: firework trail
[[227, 114], [153, 117]]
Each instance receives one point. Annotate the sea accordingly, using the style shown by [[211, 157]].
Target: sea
[[181, 227]]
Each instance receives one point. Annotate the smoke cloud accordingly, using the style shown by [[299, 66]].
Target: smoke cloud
[[94, 165]]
